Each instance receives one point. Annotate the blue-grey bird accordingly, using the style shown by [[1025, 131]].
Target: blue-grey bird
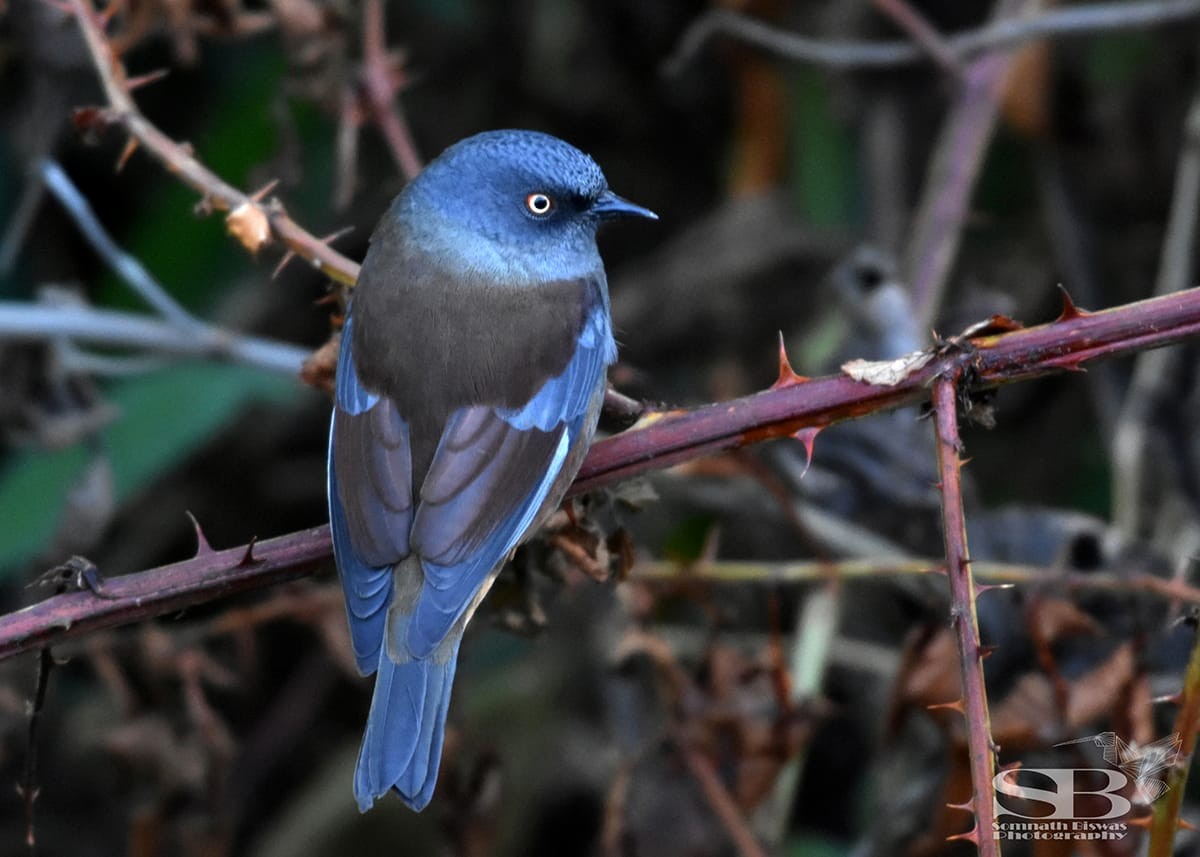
[[470, 379]]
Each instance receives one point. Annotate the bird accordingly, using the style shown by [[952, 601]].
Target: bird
[[470, 377]]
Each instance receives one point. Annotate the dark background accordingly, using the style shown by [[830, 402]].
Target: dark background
[[785, 193]]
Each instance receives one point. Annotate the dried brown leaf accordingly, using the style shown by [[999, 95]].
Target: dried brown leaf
[[1026, 712], [887, 373], [932, 673], [1051, 619], [320, 368], [248, 223], [1093, 694]]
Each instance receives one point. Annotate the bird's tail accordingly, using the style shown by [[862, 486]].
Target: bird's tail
[[402, 747]]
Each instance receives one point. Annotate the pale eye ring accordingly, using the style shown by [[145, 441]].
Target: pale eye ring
[[539, 204]]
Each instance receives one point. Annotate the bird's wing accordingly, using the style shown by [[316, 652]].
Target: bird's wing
[[370, 502], [492, 472]]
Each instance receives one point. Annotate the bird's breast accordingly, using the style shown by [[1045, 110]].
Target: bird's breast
[[435, 340]]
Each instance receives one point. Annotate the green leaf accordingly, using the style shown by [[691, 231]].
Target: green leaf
[[812, 845], [1113, 60], [193, 257], [163, 418], [686, 542], [823, 159]]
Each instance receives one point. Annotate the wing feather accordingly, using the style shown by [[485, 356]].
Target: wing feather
[[493, 471], [370, 503]]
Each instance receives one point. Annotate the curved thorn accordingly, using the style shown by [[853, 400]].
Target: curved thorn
[[202, 546], [283, 263], [126, 153], [787, 375], [248, 557], [807, 437], [146, 79], [956, 705], [1069, 310], [258, 195], [971, 836]]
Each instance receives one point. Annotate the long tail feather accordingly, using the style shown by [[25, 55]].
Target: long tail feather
[[402, 746]]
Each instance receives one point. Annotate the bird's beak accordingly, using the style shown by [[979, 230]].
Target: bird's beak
[[608, 206]]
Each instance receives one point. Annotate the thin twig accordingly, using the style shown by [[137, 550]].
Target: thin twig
[[1166, 820], [1177, 262], [721, 803], [1150, 387], [941, 214], [76, 361], [622, 408], [810, 654], [24, 322], [28, 788], [1079, 20], [923, 33], [181, 333], [123, 265], [381, 87], [980, 748], [20, 223], [179, 160], [669, 439], [999, 573]]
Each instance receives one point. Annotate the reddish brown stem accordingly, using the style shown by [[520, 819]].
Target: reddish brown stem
[[722, 803], [1167, 820], [136, 597], [989, 361], [380, 90], [669, 439], [962, 612]]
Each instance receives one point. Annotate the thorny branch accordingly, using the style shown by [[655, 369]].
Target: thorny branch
[[973, 704], [252, 221], [134, 597], [659, 440], [813, 404]]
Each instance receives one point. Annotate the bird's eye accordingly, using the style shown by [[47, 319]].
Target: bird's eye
[[539, 204]]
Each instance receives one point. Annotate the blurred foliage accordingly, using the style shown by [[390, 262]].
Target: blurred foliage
[[163, 417], [823, 169], [1115, 60]]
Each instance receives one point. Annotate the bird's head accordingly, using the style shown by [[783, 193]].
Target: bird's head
[[515, 189]]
